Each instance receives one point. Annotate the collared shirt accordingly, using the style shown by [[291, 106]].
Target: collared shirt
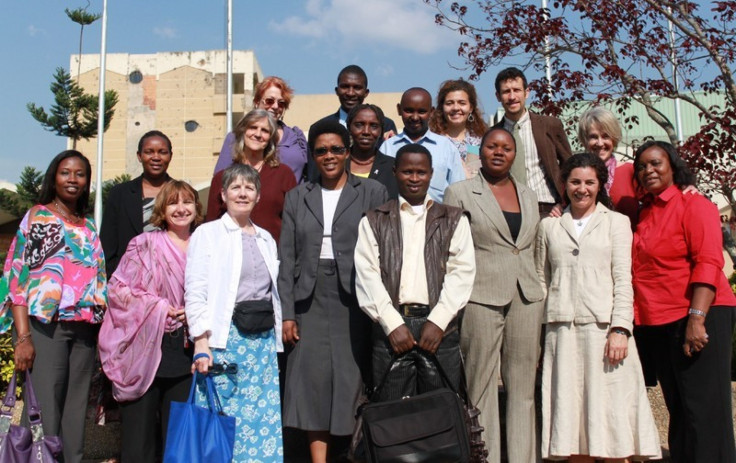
[[677, 243], [212, 276], [446, 161], [458, 284], [536, 179], [342, 117]]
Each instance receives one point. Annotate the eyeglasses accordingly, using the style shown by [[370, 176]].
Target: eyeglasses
[[268, 102], [321, 151], [224, 367]]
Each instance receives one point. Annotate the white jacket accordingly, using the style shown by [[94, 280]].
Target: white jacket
[[214, 260]]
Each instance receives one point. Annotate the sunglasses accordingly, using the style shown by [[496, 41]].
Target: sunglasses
[[321, 151], [268, 102], [224, 368]]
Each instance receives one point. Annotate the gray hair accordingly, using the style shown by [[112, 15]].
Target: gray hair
[[604, 119], [270, 156], [244, 171]]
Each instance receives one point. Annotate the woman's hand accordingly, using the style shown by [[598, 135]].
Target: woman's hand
[[696, 337], [556, 211], [24, 354], [290, 332], [617, 347], [202, 346]]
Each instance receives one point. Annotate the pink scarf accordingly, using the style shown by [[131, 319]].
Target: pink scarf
[[611, 164], [148, 280]]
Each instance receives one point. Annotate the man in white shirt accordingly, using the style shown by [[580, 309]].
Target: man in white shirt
[[414, 288]]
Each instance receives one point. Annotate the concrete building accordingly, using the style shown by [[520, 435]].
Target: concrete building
[[182, 94]]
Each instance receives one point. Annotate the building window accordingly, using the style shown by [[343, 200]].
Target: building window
[[135, 77], [191, 126]]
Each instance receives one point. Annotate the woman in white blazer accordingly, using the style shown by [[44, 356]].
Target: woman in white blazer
[[594, 403], [233, 263]]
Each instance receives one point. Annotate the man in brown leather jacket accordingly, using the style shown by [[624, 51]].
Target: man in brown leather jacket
[[414, 288]]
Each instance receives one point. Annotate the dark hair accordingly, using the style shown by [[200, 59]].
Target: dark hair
[[601, 172], [681, 174], [438, 123], [508, 74], [412, 148], [496, 129], [327, 126], [48, 187], [371, 107], [154, 133], [171, 191], [418, 89], [353, 69]]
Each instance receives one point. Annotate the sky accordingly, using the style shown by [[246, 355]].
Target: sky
[[305, 42]]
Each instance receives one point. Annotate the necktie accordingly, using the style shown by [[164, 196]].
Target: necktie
[[518, 168]]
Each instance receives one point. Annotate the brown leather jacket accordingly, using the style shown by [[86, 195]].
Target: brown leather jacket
[[386, 226]]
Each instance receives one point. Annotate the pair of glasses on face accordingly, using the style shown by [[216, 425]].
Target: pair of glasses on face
[[268, 102], [224, 368], [321, 151]]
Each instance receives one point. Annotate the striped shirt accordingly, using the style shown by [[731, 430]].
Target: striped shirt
[[536, 179]]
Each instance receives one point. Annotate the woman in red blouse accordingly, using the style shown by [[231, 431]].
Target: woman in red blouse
[[256, 144], [684, 305]]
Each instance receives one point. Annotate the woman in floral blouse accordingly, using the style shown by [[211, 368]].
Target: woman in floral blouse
[[54, 292]]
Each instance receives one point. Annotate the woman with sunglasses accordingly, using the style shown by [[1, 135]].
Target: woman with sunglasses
[[274, 95], [329, 333], [256, 138]]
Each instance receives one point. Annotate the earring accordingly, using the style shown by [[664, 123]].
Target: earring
[[471, 118]]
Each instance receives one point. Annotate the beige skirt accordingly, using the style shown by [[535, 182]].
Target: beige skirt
[[590, 407]]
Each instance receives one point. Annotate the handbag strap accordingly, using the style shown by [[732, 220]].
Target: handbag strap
[[9, 400], [213, 399], [34, 410]]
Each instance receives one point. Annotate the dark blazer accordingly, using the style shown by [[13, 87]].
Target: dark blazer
[[383, 172], [503, 266], [301, 236], [122, 221], [552, 147], [311, 170]]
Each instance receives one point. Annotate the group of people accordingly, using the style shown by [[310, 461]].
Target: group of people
[[300, 290]]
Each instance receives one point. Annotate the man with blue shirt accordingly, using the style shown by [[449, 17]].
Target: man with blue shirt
[[415, 109]]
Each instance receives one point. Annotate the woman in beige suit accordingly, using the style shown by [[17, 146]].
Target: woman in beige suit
[[594, 404], [503, 320]]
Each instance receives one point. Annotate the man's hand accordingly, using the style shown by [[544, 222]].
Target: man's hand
[[290, 332], [431, 337], [401, 339]]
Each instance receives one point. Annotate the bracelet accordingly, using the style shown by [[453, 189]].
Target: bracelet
[[694, 311], [621, 331], [22, 339]]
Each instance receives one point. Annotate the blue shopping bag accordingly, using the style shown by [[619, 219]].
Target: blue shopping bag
[[198, 434]]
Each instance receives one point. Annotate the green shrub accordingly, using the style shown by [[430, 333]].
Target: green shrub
[[6, 361]]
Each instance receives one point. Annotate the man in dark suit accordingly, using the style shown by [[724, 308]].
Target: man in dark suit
[[351, 90], [541, 142]]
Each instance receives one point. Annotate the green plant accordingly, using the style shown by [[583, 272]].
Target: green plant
[[7, 365]]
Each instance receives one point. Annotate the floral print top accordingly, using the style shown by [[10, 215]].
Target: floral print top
[[54, 268]]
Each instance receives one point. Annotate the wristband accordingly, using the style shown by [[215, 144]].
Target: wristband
[[22, 339], [694, 311], [621, 331], [200, 356]]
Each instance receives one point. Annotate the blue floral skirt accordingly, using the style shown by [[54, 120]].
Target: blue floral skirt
[[251, 395]]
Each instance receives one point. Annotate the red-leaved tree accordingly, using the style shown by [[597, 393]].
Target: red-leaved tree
[[618, 52]]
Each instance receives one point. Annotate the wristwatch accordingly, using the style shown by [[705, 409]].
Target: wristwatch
[[694, 311]]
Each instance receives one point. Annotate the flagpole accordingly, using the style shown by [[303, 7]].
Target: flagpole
[[101, 118], [229, 122]]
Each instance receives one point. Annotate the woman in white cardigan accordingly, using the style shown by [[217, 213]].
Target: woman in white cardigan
[[233, 310], [594, 404]]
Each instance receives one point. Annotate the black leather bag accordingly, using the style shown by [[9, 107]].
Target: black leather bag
[[428, 427], [252, 317]]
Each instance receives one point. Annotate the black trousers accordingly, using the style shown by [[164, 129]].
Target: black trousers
[[697, 389], [414, 373], [142, 440]]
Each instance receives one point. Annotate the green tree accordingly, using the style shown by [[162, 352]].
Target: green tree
[[26, 194], [74, 114], [107, 186], [83, 18]]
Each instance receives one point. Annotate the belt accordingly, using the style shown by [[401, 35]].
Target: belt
[[414, 310]]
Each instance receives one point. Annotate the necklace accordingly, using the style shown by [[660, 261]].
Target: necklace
[[64, 214], [360, 162]]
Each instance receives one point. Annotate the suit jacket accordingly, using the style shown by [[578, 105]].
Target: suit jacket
[[301, 236], [382, 171], [502, 265], [588, 278], [122, 221], [312, 173], [552, 147]]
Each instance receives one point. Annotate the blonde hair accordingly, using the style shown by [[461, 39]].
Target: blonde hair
[[270, 156], [604, 119]]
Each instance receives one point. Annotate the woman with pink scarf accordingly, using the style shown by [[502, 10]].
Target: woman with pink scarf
[[143, 341]]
